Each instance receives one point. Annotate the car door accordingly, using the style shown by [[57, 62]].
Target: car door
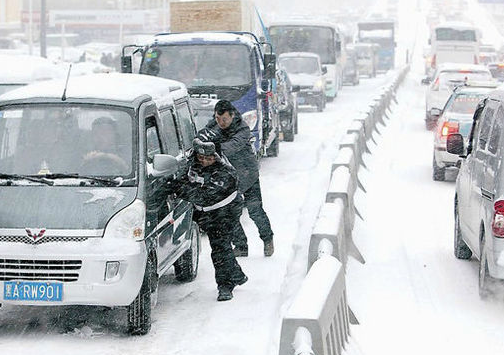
[[183, 209], [479, 157]]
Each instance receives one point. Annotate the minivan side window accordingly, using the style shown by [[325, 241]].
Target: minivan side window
[[486, 124], [186, 124], [493, 143], [170, 133], [153, 142]]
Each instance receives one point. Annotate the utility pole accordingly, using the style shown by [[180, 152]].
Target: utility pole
[[43, 29], [30, 27]]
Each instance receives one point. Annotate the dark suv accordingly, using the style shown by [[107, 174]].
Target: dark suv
[[286, 104]]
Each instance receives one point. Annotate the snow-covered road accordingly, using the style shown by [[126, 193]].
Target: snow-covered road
[[413, 296]]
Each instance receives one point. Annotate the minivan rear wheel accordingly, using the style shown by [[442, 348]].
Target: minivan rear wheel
[[460, 248], [186, 267], [139, 311]]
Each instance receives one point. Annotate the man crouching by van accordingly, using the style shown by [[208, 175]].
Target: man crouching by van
[[211, 185]]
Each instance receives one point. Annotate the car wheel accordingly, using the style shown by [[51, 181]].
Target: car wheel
[[485, 280], [296, 124], [289, 136], [186, 267], [460, 248], [139, 311], [272, 150], [438, 174]]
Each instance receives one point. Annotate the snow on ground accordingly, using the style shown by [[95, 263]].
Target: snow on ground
[[412, 295], [187, 319]]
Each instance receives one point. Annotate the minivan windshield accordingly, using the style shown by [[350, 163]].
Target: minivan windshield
[[38, 140], [299, 65], [200, 65]]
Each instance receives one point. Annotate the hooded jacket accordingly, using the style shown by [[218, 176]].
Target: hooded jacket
[[234, 143]]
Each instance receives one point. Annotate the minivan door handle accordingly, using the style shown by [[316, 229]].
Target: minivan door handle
[[487, 194]]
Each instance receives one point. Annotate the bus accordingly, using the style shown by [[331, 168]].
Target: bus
[[454, 42], [322, 38]]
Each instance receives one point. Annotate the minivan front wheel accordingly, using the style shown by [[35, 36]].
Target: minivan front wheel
[[139, 311], [186, 267], [460, 248]]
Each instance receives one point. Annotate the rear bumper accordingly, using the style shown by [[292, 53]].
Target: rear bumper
[[310, 97], [90, 288]]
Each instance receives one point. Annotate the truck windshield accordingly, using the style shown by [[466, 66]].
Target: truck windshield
[[66, 139], [314, 39], [451, 34], [298, 65], [200, 65]]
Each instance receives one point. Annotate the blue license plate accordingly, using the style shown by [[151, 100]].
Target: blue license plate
[[33, 291]]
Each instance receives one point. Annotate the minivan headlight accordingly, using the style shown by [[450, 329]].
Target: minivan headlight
[[250, 118], [319, 84], [128, 222]]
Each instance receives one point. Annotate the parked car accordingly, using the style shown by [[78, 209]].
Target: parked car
[[351, 70], [456, 118], [446, 77], [19, 70], [367, 58], [286, 105], [305, 69], [497, 70], [479, 191], [88, 216]]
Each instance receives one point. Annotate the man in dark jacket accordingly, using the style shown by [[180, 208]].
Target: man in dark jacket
[[233, 135], [211, 185]]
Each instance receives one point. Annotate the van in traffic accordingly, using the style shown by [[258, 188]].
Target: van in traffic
[[88, 216]]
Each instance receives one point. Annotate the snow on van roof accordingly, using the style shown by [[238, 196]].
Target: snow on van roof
[[461, 66], [168, 38], [298, 54], [113, 86], [26, 69]]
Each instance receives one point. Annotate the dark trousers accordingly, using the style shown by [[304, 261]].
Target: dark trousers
[[253, 202]]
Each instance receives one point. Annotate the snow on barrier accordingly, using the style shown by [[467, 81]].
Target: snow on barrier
[[346, 157], [317, 322], [359, 127], [352, 141]]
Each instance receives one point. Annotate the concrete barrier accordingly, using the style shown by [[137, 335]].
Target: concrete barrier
[[352, 141], [330, 225], [346, 157], [321, 308], [358, 126]]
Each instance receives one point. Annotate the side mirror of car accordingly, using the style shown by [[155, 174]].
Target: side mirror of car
[[455, 144], [295, 88], [164, 165], [324, 69], [269, 66], [426, 81], [126, 64], [435, 112]]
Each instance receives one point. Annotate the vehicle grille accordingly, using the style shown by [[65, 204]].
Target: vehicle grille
[[47, 239], [39, 270]]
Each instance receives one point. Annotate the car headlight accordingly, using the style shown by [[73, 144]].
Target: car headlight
[[319, 84], [128, 222], [250, 118]]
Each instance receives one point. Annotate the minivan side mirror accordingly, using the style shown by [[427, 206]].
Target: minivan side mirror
[[455, 144], [435, 112], [126, 64], [324, 69], [164, 165]]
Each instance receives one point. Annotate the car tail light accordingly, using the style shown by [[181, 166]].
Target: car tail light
[[449, 128], [433, 61], [498, 219], [435, 86]]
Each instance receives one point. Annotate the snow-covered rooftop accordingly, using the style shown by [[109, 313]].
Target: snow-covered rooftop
[[113, 86]]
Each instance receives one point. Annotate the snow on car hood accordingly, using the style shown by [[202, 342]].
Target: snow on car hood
[[62, 207], [303, 79]]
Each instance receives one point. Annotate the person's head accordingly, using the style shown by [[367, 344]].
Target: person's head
[[205, 152], [104, 134], [224, 113]]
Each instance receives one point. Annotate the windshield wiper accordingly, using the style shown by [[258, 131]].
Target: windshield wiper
[[104, 181], [40, 179]]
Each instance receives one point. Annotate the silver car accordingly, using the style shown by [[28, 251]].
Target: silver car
[[479, 196], [456, 118]]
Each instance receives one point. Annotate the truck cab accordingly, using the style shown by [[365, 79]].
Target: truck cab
[[220, 65]]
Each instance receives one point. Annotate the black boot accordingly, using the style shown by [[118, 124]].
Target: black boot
[[269, 248], [225, 293]]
